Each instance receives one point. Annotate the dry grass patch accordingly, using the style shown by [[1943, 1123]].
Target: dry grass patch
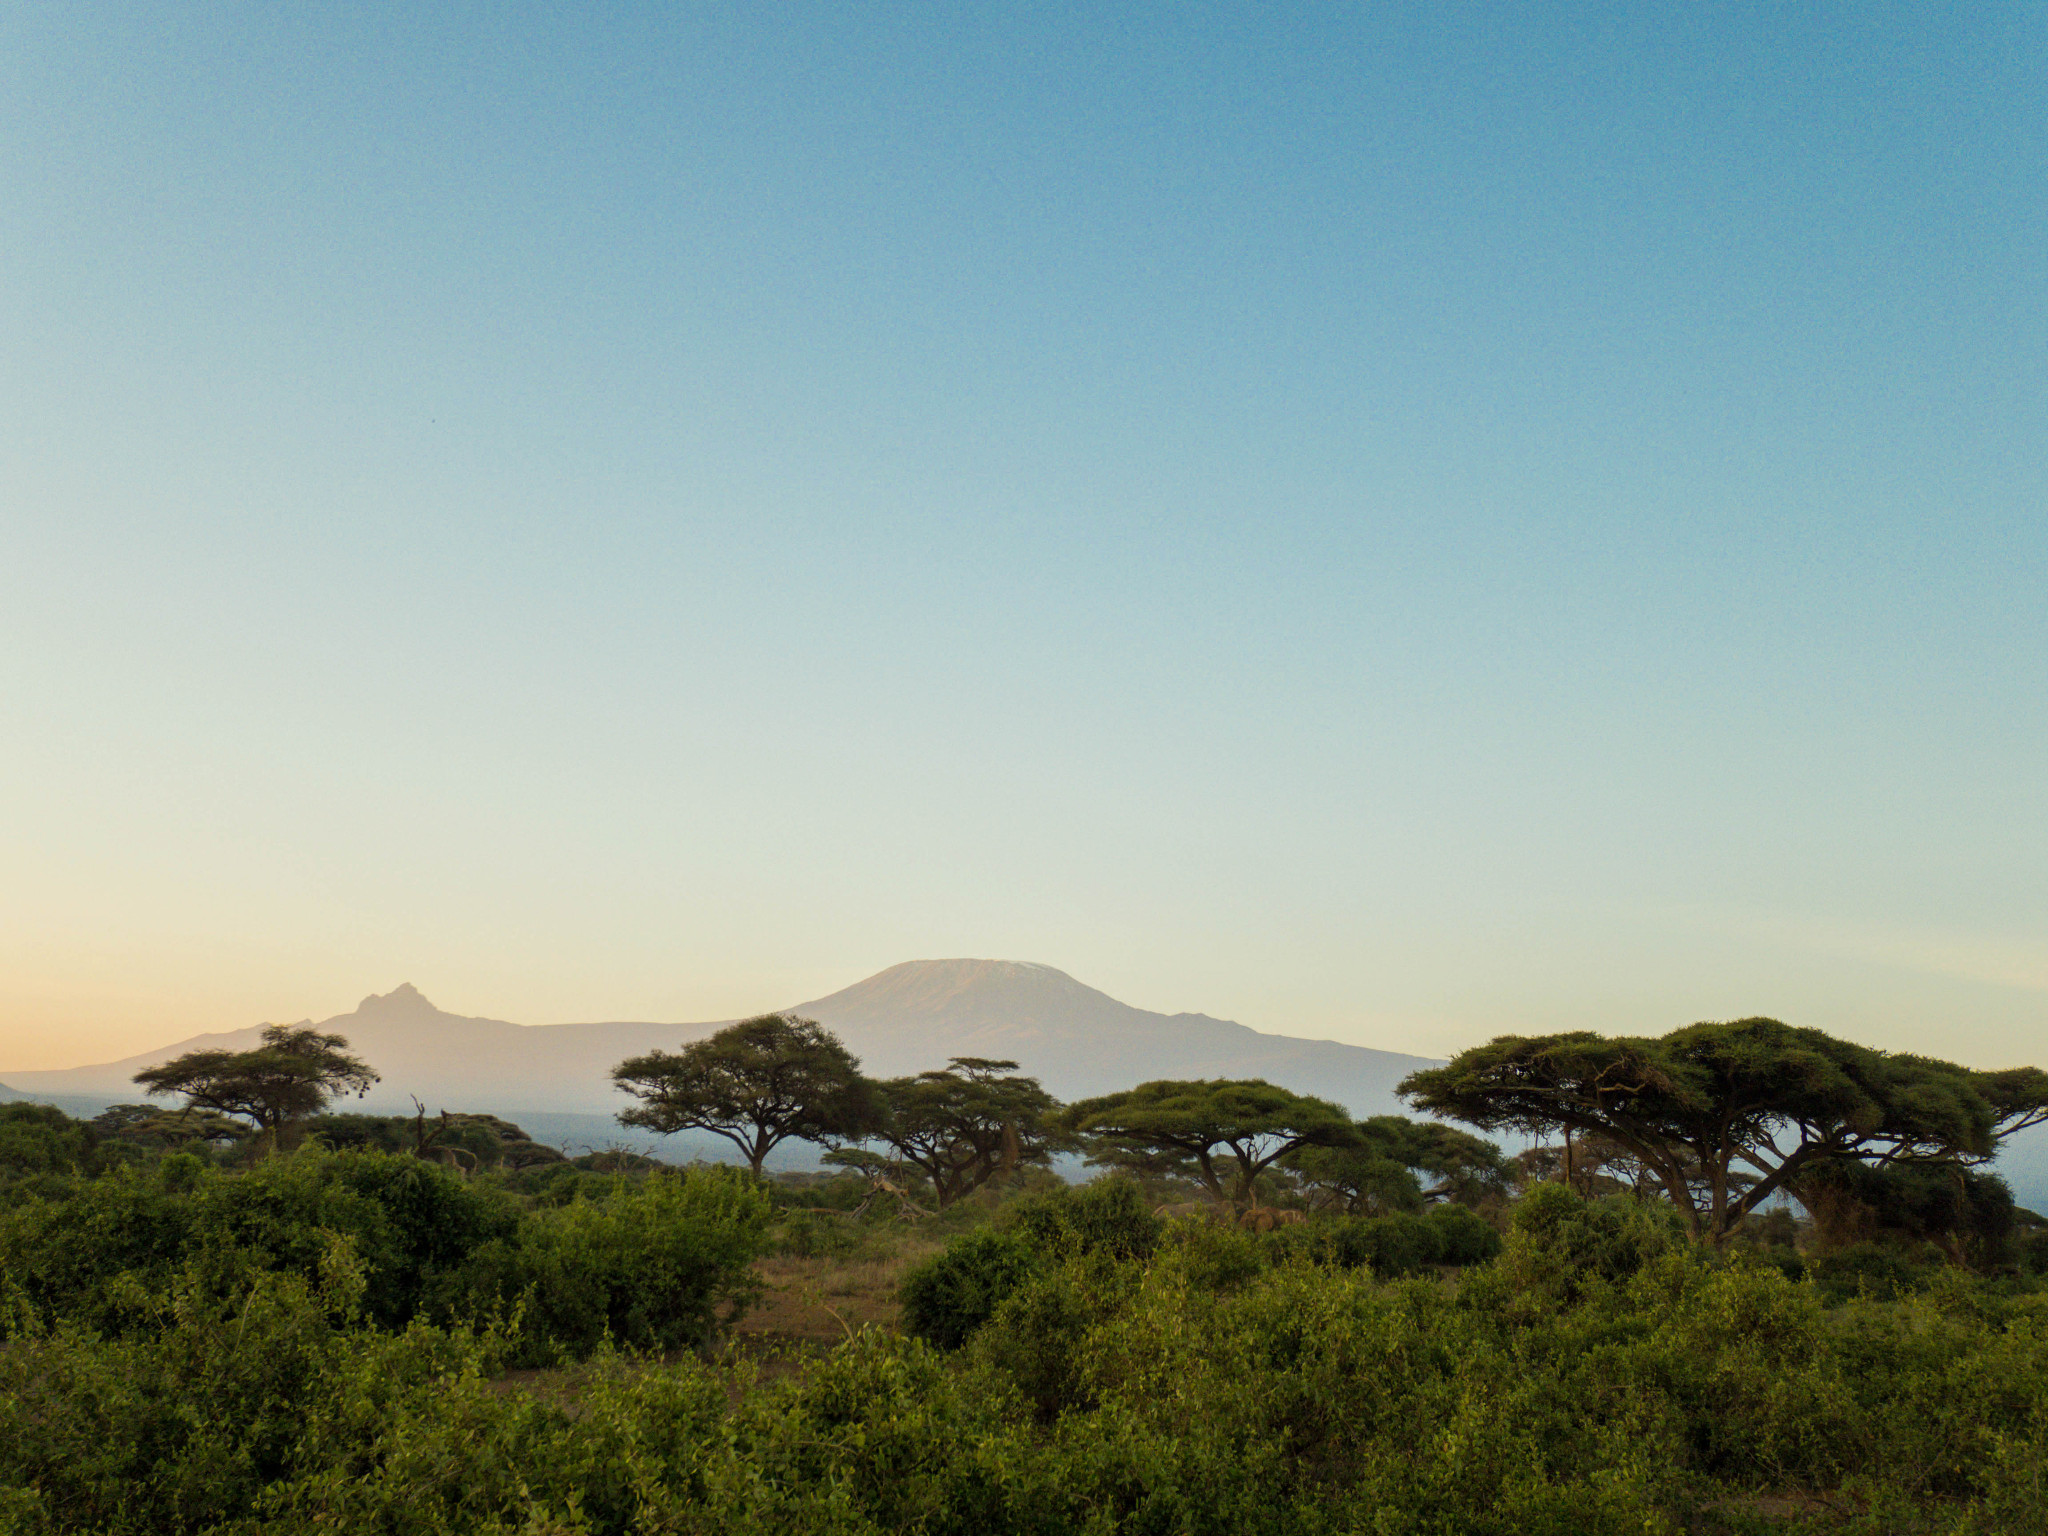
[[822, 1300]]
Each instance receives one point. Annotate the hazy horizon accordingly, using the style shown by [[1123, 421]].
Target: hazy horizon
[[1395, 526]]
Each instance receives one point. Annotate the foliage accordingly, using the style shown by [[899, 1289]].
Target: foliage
[[86, 1257], [951, 1294], [1563, 1244], [1103, 1216], [292, 1074], [1383, 1169], [151, 1127], [963, 1126], [1605, 1376], [1725, 1116], [462, 1141], [1210, 1130], [755, 1083], [658, 1264], [1968, 1214], [40, 1142], [1403, 1243]]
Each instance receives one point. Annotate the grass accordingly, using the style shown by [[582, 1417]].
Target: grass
[[823, 1299]]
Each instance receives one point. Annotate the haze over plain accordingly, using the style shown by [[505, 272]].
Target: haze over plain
[[1398, 526]]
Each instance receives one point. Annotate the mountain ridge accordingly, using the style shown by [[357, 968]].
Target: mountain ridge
[[909, 1017], [1076, 1040]]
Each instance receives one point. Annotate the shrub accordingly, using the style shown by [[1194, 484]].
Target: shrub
[[1651, 1391], [1390, 1245], [658, 1264], [806, 1234], [41, 1142], [951, 1294], [1035, 1338], [1559, 1242], [83, 1257], [1881, 1270], [1109, 1215], [1463, 1237], [411, 1221]]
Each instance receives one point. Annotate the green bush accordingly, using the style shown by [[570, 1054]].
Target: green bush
[[411, 1221], [1883, 1270], [1394, 1244], [41, 1143], [1463, 1237], [951, 1294], [1605, 1376], [1033, 1342], [657, 1264], [83, 1256], [1109, 1215], [805, 1234], [1559, 1242], [2032, 1252], [1660, 1392]]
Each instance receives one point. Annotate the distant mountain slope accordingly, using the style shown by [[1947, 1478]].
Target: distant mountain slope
[[910, 1017], [445, 1059], [1080, 1041], [1077, 1040]]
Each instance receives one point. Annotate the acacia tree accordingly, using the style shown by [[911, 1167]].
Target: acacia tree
[[965, 1125], [152, 1124], [1724, 1116], [1209, 1130], [292, 1074], [757, 1083], [1386, 1167]]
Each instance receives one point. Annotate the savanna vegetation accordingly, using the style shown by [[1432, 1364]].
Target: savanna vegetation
[[1740, 1278]]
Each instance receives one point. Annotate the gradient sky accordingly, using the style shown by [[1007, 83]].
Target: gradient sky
[[1389, 523]]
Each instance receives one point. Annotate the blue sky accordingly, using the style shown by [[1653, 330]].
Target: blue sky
[[1398, 524]]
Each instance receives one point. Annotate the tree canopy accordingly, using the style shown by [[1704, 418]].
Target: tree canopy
[[756, 1083], [292, 1074], [1724, 1116], [42, 1139], [151, 1125], [966, 1124], [1213, 1130], [1399, 1164]]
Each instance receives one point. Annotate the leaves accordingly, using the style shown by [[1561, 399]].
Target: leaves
[[1215, 1129], [963, 1126], [1723, 1116], [294, 1073], [756, 1083]]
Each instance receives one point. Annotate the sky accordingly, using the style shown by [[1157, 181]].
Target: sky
[[1388, 523]]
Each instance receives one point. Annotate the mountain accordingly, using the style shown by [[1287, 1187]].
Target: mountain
[[552, 1078], [446, 1059], [1077, 1040]]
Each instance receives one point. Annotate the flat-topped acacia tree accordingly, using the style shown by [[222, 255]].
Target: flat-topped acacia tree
[[1398, 1164], [292, 1074], [1724, 1116], [1224, 1132], [757, 1083], [969, 1123]]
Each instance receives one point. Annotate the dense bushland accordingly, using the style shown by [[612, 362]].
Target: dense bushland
[[1271, 1319], [258, 1370], [648, 1263]]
